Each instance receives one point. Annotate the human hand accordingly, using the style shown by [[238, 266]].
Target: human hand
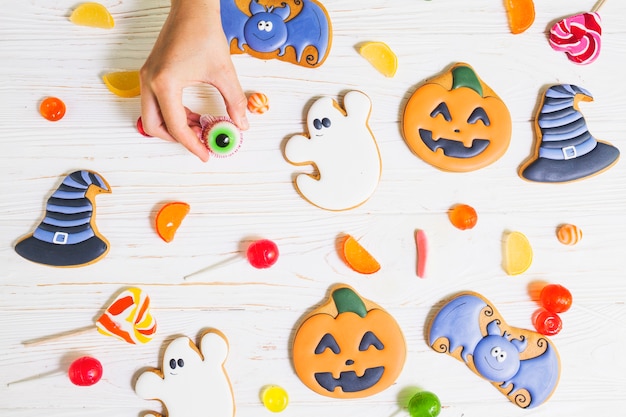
[[190, 49]]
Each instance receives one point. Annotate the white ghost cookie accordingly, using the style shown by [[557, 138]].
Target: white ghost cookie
[[342, 148], [191, 382]]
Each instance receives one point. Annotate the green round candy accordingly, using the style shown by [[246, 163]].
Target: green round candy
[[424, 404]]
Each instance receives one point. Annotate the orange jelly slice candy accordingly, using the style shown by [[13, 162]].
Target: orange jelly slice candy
[[518, 254], [123, 83], [358, 258], [92, 14], [169, 218], [521, 14]]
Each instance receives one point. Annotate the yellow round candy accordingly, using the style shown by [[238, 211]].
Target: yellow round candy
[[275, 398]]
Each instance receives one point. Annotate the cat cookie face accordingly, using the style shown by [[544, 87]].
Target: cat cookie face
[[342, 148], [191, 382]]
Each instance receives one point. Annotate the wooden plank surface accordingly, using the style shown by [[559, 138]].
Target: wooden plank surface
[[251, 195]]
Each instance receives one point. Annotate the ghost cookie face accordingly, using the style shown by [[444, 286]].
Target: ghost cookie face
[[455, 122], [343, 151], [349, 347], [192, 382], [522, 364]]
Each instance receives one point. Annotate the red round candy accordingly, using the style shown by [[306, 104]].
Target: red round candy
[[140, 128], [85, 371], [547, 322], [262, 253], [555, 298], [52, 108]]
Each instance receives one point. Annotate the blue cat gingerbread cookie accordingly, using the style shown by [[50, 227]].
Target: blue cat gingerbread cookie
[[296, 31], [522, 364]]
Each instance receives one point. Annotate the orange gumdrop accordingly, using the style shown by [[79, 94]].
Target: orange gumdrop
[[169, 218], [357, 257], [521, 14], [463, 216], [52, 109]]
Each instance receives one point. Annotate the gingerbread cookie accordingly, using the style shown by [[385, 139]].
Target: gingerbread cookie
[[192, 382], [522, 364], [295, 31], [342, 148], [68, 236], [455, 122], [349, 347], [565, 150]]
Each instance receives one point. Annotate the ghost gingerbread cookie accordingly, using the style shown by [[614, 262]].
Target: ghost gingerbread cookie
[[522, 364], [349, 347], [342, 150], [456, 122], [192, 381]]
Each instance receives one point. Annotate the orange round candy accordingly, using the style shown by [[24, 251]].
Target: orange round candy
[[463, 216], [258, 103], [569, 234], [52, 109]]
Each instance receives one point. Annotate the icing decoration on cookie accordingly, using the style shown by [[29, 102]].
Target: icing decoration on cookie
[[192, 381], [129, 318], [455, 122], [296, 31], [342, 148], [349, 347], [220, 135], [579, 36], [522, 364], [565, 150], [68, 236]]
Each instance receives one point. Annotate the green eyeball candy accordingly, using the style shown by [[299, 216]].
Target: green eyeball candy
[[220, 135]]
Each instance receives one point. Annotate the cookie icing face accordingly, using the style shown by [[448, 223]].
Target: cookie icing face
[[191, 382], [455, 122], [522, 364], [343, 150], [347, 349]]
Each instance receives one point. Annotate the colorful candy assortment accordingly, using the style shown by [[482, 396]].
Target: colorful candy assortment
[[129, 318]]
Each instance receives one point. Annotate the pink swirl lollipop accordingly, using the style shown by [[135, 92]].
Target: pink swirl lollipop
[[578, 36]]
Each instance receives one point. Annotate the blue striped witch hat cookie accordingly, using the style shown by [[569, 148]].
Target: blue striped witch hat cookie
[[566, 151], [67, 236]]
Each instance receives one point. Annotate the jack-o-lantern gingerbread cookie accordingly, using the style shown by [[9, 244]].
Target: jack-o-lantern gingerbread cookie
[[456, 123], [343, 150], [192, 382], [349, 347], [522, 364]]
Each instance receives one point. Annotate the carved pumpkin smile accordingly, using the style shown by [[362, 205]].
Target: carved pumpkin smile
[[455, 122], [349, 381]]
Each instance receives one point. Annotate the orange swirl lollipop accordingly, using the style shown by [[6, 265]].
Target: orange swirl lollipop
[[127, 318]]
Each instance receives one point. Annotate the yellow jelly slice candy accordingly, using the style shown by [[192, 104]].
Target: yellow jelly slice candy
[[358, 258], [92, 14], [518, 254], [381, 57], [123, 83]]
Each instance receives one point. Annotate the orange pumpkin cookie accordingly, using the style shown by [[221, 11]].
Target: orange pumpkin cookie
[[349, 347], [455, 122]]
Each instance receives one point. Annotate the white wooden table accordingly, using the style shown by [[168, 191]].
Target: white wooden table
[[251, 195]]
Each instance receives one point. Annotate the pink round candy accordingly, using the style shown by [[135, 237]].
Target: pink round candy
[[85, 371], [262, 253]]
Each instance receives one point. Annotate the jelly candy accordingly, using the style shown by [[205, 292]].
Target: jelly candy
[[123, 83], [424, 404], [358, 258], [463, 216], [520, 13], [555, 298], [139, 125], [380, 55], [518, 254], [52, 109], [275, 398], [169, 218], [547, 323], [92, 14], [262, 254], [85, 371]]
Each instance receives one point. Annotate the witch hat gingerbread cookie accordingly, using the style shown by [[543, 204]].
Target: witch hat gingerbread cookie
[[522, 364], [68, 236], [566, 150]]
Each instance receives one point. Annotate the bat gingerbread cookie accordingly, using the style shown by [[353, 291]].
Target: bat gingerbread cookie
[[192, 381], [522, 364], [296, 31], [343, 150]]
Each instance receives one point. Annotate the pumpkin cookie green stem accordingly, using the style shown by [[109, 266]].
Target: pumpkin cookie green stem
[[463, 76], [347, 300]]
